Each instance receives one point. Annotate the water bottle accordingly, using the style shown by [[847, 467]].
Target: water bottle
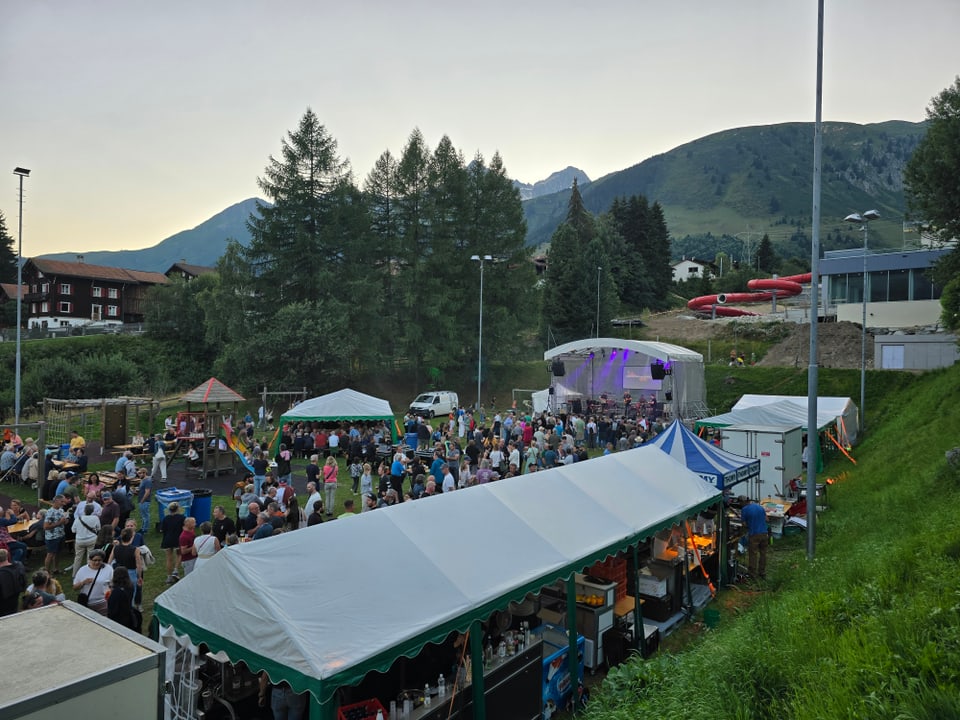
[[379, 714], [426, 695], [502, 650], [393, 709], [441, 686]]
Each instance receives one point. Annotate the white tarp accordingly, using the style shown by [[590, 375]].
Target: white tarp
[[322, 606], [841, 409], [343, 404]]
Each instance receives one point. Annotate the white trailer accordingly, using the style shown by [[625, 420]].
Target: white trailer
[[70, 662], [779, 449]]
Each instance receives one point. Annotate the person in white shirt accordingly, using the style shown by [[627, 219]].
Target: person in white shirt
[[313, 494], [86, 529], [449, 484]]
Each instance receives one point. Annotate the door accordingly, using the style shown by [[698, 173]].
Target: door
[[114, 425], [891, 357]]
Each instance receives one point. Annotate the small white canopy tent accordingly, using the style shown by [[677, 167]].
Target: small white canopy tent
[[326, 626], [842, 409], [596, 366], [338, 406]]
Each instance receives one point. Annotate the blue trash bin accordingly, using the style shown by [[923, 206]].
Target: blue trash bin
[[410, 440], [202, 507], [64, 451], [184, 498]]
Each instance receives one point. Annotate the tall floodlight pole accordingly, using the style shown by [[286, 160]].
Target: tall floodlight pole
[[480, 259], [813, 443], [863, 219], [598, 301], [22, 173]]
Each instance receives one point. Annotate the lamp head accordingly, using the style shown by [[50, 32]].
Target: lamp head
[[22, 172], [871, 215], [854, 217]]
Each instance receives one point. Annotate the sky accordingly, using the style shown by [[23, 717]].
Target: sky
[[139, 120]]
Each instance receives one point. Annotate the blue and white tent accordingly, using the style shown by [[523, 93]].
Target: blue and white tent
[[718, 467]]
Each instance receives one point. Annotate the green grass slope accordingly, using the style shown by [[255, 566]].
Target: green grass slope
[[870, 628]]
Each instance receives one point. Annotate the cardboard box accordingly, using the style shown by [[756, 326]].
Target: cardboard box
[[650, 585]]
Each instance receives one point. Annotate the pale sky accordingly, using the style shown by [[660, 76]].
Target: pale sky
[[139, 120]]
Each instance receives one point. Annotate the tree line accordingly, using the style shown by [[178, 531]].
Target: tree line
[[340, 280]]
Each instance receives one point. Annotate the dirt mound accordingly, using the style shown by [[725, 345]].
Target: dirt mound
[[838, 343]]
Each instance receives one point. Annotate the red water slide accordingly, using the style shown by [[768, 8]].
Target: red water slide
[[765, 289]]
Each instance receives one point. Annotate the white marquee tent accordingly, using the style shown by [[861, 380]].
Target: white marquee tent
[[342, 405], [309, 606], [842, 409]]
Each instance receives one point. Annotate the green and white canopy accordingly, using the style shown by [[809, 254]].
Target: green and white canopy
[[342, 405], [323, 606]]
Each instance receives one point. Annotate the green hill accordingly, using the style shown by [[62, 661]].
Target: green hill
[[761, 179], [870, 628]]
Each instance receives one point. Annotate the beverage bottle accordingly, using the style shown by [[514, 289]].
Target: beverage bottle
[[502, 650], [426, 695], [441, 686], [379, 714]]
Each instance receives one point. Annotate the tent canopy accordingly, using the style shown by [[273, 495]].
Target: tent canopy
[[392, 580], [597, 366], [772, 415], [711, 463], [341, 405], [842, 409]]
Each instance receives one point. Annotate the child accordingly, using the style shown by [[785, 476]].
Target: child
[[366, 480]]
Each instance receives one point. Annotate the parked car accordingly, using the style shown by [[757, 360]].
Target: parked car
[[435, 402]]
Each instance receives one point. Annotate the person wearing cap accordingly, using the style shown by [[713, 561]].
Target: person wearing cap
[[370, 502], [284, 492]]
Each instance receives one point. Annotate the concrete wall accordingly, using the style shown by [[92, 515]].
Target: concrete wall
[[904, 314]]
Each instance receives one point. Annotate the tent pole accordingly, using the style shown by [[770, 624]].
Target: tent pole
[[476, 669], [573, 662], [322, 710], [639, 635]]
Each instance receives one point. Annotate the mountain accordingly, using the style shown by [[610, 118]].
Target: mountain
[[557, 182], [761, 179], [203, 245]]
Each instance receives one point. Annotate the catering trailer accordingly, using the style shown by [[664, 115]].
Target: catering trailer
[[779, 448], [70, 662]]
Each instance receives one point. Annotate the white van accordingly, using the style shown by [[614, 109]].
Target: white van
[[435, 402]]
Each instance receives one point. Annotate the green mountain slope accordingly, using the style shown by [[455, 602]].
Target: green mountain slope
[[759, 178], [203, 245]]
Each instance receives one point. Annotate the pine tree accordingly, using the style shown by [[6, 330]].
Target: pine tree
[[8, 256], [767, 259]]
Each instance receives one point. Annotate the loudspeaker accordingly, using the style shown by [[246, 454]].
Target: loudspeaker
[[668, 396], [552, 390], [558, 369], [577, 406], [657, 371]]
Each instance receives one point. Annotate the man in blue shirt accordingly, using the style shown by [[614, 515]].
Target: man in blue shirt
[[755, 518]]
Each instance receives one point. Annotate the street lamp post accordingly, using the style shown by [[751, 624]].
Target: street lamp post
[[863, 219], [21, 173], [598, 301], [480, 259]]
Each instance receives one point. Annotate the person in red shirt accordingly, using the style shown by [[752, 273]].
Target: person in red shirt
[[188, 552]]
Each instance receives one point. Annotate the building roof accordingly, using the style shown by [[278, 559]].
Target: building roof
[[212, 391], [195, 270], [9, 290], [62, 268]]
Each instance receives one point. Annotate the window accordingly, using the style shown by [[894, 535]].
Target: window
[[44, 307], [44, 287], [838, 289], [95, 312], [877, 287], [112, 293], [112, 310], [65, 288], [97, 291], [922, 287], [33, 308], [899, 285], [65, 307]]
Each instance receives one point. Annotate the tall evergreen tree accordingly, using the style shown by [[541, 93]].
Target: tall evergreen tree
[[576, 253], [767, 259], [303, 252], [8, 256]]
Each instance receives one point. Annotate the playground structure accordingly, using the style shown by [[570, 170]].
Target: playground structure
[[210, 408], [763, 290]]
